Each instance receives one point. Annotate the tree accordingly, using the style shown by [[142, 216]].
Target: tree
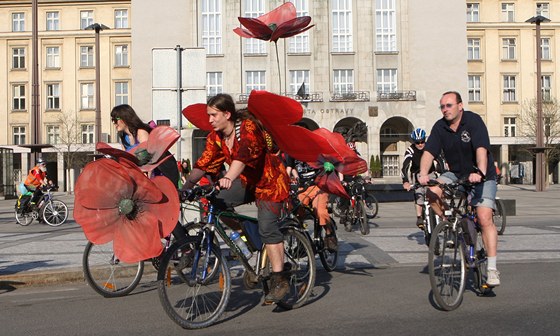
[[371, 164], [551, 123]]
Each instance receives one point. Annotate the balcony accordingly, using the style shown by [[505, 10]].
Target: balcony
[[243, 98], [357, 96], [409, 95]]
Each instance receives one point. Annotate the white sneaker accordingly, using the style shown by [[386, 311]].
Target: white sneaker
[[493, 278]]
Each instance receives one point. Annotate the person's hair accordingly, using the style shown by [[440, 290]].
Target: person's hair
[[223, 102], [127, 114], [458, 98]]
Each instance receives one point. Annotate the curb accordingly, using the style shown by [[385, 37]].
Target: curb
[[27, 279]]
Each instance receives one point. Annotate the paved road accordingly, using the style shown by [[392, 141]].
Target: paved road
[[40, 253]]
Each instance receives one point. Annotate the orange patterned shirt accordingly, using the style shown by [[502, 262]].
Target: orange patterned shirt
[[264, 172]]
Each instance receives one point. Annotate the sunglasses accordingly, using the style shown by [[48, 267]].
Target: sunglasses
[[448, 105], [114, 120], [420, 142]]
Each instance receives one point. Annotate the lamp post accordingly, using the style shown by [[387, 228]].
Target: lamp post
[[539, 149], [97, 27]]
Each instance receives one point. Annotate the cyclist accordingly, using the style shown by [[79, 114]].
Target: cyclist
[[463, 138], [412, 163], [303, 173], [254, 173], [36, 179]]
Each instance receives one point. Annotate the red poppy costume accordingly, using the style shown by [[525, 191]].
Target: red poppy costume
[[264, 173]]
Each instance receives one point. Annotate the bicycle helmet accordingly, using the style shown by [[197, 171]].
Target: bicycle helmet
[[40, 160], [418, 135]]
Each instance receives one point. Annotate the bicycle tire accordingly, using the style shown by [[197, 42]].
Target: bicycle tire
[[372, 206], [54, 212], [328, 258], [362, 218], [300, 259], [446, 266], [499, 217], [191, 303], [108, 276], [23, 219]]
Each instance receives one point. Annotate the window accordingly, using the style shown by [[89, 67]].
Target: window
[[121, 55], [86, 18], [342, 26], [473, 49], [385, 25], [508, 49], [546, 89], [52, 21], [121, 18], [509, 89], [18, 102], [86, 96], [19, 135], [391, 165], [53, 57], [18, 22], [297, 78], [508, 12], [473, 12], [121, 93], [88, 133], [509, 127], [253, 9], [18, 58], [214, 83], [53, 135], [386, 80], [300, 42], [212, 26], [474, 88], [53, 96], [255, 81], [543, 9], [343, 81], [86, 56], [545, 49]]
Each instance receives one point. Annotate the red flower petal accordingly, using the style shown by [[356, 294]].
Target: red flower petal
[[159, 141], [102, 184], [291, 28], [138, 239], [243, 32], [98, 225], [115, 152], [279, 15], [168, 210], [197, 115], [257, 28], [330, 183], [145, 189]]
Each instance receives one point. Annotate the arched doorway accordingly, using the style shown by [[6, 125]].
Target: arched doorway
[[310, 124], [393, 141]]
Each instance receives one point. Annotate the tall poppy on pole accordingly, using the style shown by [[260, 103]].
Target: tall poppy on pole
[[281, 22]]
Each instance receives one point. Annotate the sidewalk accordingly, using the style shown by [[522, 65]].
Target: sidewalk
[[40, 254]]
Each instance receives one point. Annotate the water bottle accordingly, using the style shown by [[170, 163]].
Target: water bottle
[[236, 238]]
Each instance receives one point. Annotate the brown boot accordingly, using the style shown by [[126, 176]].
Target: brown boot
[[279, 287]]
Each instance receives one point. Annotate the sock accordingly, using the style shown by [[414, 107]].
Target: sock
[[492, 263]]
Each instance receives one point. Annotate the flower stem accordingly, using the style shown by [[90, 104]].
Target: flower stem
[[278, 63]]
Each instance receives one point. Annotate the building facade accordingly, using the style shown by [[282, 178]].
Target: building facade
[[66, 76]]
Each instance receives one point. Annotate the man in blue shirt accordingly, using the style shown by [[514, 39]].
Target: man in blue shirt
[[463, 138]]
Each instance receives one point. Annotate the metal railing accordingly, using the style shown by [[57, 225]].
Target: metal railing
[[408, 95]]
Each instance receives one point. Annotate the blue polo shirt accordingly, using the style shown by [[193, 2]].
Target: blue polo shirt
[[460, 147]]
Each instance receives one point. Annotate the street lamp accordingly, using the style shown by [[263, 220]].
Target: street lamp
[[97, 27], [539, 149]]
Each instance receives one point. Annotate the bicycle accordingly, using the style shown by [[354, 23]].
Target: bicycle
[[107, 275], [309, 221], [455, 246], [47, 209], [195, 294], [356, 209], [430, 219], [372, 205]]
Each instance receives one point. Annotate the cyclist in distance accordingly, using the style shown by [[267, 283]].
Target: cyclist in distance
[[411, 164], [254, 173], [463, 138], [36, 179]]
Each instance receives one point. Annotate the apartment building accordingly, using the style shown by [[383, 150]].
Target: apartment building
[[502, 74], [66, 76]]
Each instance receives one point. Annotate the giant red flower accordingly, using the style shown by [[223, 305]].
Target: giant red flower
[[116, 201], [281, 22]]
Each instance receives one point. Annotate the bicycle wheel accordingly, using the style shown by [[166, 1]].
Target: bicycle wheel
[[372, 206], [481, 267], [499, 217], [299, 262], [54, 212], [193, 293], [106, 274], [328, 258], [361, 217], [23, 218], [446, 266]]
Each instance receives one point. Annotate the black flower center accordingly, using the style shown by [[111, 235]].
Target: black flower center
[[128, 208]]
